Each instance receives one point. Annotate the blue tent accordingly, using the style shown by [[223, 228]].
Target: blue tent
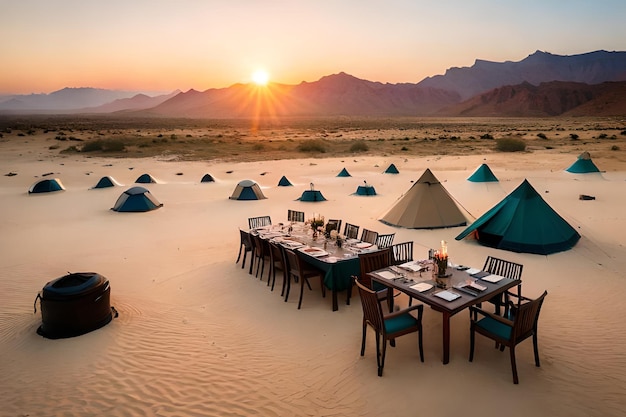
[[145, 179], [46, 186], [391, 169], [247, 190], [523, 222], [583, 165], [344, 173], [207, 178], [366, 190], [136, 199], [106, 182], [312, 195], [284, 182], [483, 174]]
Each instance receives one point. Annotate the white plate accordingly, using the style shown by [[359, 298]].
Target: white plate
[[316, 252], [422, 286], [447, 295]]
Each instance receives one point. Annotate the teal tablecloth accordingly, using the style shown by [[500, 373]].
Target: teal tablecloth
[[338, 274]]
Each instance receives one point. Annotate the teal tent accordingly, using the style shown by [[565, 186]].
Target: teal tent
[[284, 182], [523, 222], [583, 165], [391, 169], [145, 179], [136, 199], [483, 174], [207, 178], [247, 190], [344, 173], [106, 182], [312, 196], [46, 186], [365, 190]]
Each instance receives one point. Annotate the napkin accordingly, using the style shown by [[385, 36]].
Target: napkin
[[422, 286], [447, 295], [363, 245], [473, 271], [492, 278], [411, 266], [387, 274]]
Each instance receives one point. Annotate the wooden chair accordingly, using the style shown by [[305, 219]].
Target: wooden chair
[[351, 231], [295, 216], [277, 262], [301, 271], [369, 236], [387, 326], [245, 246], [401, 253], [256, 222], [260, 254], [333, 224], [525, 316], [506, 269], [385, 241], [372, 261]]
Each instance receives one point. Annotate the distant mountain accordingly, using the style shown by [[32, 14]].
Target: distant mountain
[[556, 98], [589, 68], [62, 101], [137, 102]]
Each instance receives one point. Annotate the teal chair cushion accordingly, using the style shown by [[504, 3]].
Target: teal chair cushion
[[495, 327], [399, 323]]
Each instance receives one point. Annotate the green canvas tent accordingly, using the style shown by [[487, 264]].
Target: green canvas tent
[[207, 178], [366, 190], [247, 190], [583, 165], [136, 199], [483, 174], [145, 179], [46, 186], [427, 205], [344, 173], [391, 169], [523, 222], [284, 182], [312, 196], [106, 182]]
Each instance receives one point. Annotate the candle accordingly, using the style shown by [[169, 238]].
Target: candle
[[444, 248]]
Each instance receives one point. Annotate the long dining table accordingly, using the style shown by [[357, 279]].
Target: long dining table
[[338, 263], [464, 287]]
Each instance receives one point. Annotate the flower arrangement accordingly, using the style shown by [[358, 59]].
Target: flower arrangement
[[441, 259], [316, 223], [338, 238]]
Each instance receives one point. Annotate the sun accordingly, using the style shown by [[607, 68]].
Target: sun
[[260, 77]]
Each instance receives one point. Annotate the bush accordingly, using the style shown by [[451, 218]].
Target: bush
[[104, 146], [542, 136], [312, 146], [510, 145], [486, 136], [573, 136], [359, 146], [615, 148]]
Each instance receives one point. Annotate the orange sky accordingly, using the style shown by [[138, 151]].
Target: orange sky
[[163, 45]]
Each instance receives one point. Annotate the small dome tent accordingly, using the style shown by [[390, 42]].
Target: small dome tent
[[136, 199], [583, 165], [247, 190], [284, 182], [344, 173], [483, 174], [106, 182], [312, 195], [46, 186], [365, 189], [391, 169], [145, 179], [207, 178]]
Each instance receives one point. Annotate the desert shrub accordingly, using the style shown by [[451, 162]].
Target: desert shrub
[[615, 148], [510, 145], [258, 147], [573, 136], [486, 136], [53, 147], [312, 146], [623, 132], [602, 136], [93, 146], [404, 148], [71, 149], [359, 146], [104, 146], [542, 136]]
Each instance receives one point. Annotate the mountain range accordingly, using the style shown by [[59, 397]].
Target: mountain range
[[541, 85]]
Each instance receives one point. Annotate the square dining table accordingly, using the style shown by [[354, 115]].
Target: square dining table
[[449, 301]]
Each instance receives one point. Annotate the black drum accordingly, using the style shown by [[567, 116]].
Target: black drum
[[74, 304]]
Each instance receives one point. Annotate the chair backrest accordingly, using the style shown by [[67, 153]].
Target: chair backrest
[[351, 231], [255, 222], [372, 310], [385, 241], [276, 254], [372, 261], [246, 240], [292, 262], [402, 252], [295, 216], [503, 268], [259, 246], [333, 224], [526, 318], [369, 236]]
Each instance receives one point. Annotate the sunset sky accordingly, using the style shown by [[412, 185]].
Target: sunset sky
[[163, 45]]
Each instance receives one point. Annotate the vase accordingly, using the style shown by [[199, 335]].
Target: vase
[[442, 266]]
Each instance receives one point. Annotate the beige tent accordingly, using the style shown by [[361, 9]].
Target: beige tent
[[427, 205]]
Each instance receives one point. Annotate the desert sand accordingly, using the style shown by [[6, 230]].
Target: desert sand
[[198, 336]]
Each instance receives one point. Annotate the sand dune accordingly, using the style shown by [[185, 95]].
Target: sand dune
[[198, 336]]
